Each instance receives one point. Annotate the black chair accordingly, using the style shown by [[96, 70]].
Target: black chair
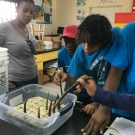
[[60, 30]]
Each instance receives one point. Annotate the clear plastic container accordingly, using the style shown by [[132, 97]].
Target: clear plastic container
[[3, 70], [32, 124]]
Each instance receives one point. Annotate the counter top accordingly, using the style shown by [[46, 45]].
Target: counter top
[[47, 50]]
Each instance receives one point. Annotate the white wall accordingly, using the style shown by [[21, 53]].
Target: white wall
[[66, 9], [65, 12]]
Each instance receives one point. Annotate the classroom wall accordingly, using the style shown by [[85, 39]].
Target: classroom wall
[[64, 11]]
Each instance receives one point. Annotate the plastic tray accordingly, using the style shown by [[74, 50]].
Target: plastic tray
[[35, 125]]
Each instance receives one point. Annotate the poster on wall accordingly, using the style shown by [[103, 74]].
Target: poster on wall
[[80, 15], [80, 2], [43, 12], [107, 1]]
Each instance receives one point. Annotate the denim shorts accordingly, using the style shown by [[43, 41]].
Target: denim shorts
[[23, 83]]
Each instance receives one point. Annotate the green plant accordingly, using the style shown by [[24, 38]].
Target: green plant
[[47, 101]]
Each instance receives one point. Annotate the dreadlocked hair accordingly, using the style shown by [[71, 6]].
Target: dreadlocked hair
[[95, 29], [20, 1]]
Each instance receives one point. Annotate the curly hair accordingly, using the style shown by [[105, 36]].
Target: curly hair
[[95, 29], [20, 1]]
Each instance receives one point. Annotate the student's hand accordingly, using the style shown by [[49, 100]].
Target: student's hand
[[89, 85], [99, 120], [11, 85], [91, 108], [60, 75], [79, 87]]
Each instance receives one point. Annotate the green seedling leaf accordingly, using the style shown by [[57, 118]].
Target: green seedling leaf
[[47, 101], [50, 108]]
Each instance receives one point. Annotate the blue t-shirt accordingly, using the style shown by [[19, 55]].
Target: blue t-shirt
[[64, 58], [124, 59], [93, 65]]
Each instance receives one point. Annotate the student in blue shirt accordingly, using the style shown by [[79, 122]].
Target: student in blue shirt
[[96, 37], [121, 78], [123, 65], [65, 56]]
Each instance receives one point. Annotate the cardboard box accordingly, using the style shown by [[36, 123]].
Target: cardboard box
[[52, 71], [46, 78], [56, 40], [40, 45], [40, 77]]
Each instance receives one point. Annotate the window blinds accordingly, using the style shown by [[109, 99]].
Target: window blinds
[[7, 11]]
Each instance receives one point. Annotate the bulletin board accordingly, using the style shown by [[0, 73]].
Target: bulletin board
[[108, 11], [43, 12]]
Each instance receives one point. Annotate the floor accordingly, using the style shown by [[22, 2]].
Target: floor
[[56, 89]]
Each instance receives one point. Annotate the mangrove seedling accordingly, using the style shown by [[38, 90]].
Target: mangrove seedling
[[50, 108], [47, 101], [61, 88], [59, 102], [54, 105], [68, 90], [25, 106], [39, 112]]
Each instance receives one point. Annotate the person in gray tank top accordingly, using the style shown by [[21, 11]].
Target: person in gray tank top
[[16, 36]]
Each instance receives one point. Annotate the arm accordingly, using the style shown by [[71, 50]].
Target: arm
[[60, 75], [76, 67], [32, 38], [63, 75], [111, 99], [75, 70], [113, 79], [114, 100], [112, 84], [60, 60]]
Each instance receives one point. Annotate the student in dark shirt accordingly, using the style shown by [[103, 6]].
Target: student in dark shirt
[[112, 99]]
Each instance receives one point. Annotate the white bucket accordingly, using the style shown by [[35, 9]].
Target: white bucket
[[3, 52], [4, 60]]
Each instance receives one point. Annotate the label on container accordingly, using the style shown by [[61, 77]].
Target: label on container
[[3, 85], [16, 100]]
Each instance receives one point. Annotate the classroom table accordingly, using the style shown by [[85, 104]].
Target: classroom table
[[71, 127]]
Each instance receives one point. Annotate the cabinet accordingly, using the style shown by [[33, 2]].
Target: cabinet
[[40, 77], [42, 57]]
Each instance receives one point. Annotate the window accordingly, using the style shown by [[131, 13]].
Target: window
[[7, 11]]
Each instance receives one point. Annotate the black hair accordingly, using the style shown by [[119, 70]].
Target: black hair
[[95, 29], [20, 1]]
